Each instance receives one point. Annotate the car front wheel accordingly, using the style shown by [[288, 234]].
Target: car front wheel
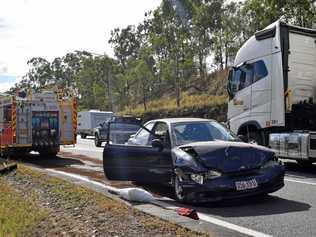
[[178, 190]]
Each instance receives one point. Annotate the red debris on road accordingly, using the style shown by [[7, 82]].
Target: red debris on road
[[188, 212]]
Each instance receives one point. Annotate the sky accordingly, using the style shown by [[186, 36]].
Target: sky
[[52, 28]]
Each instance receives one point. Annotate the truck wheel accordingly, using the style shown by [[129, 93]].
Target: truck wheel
[[83, 136], [255, 137], [97, 141]]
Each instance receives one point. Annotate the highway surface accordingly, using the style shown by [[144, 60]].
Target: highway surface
[[290, 211]]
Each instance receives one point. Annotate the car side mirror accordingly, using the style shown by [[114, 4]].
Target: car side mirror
[[156, 143], [132, 136]]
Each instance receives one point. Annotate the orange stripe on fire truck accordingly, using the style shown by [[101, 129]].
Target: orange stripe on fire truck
[[13, 125]]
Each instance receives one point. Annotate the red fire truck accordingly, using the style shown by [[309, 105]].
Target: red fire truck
[[38, 122]]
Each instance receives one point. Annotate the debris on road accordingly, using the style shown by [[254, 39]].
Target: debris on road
[[188, 212], [136, 195]]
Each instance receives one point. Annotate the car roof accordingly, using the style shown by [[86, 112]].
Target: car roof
[[180, 120]]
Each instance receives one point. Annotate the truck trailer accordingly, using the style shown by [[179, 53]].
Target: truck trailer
[[272, 91], [89, 120], [39, 122]]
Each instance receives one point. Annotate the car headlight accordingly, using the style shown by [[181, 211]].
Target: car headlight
[[211, 174], [198, 178]]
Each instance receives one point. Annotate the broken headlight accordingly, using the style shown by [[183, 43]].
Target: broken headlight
[[200, 178]]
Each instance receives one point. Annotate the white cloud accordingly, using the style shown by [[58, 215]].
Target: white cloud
[[5, 86], [51, 28]]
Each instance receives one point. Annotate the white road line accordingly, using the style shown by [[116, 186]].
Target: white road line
[[116, 190], [298, 181], [100, 150], [202, 216], [216, 221], [231, 226]]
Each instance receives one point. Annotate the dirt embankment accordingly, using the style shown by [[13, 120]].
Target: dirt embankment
[[52, 207]]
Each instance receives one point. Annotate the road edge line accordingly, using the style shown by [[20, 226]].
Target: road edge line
[[298, 181], [219, 222]]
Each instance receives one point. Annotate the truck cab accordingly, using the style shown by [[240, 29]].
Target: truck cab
[[272, 89]]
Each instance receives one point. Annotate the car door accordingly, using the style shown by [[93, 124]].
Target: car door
[[165, 167], [138, 161]]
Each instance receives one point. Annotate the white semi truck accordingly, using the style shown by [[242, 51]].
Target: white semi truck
[[272, 91]]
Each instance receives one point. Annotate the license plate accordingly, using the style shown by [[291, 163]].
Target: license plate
[[243, 185]]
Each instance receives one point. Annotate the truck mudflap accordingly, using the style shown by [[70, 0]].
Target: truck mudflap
[[297, 145]]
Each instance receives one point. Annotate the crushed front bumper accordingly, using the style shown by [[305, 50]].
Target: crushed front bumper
[[224, 187]]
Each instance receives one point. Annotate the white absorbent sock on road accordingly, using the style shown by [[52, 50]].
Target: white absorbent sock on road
[[136, 195]]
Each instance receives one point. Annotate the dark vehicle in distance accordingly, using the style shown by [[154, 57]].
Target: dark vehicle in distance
[[202, 160], [122, 127]]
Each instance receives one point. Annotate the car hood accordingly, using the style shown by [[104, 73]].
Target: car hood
[[229, 157]]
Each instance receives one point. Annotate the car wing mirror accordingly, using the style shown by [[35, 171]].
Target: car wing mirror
[[156, 143], [132, 136]]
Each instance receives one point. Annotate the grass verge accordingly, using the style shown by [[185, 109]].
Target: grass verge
[[40, 205], [18, 216]]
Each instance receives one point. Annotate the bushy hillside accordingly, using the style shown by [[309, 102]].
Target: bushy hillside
[[205, 99]]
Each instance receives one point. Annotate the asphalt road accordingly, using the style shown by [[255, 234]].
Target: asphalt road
[[290, 211]]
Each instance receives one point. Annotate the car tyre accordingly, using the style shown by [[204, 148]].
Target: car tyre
[[178, 190], [97, 141]]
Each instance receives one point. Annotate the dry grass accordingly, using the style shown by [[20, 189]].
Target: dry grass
[[18, 216], [110, 215], [212, 94], [188, 102]]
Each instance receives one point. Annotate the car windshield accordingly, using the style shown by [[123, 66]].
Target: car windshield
[[188, 132]]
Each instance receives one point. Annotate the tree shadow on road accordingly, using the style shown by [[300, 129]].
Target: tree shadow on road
[[296, 170], [251, 206], [45, 162]]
